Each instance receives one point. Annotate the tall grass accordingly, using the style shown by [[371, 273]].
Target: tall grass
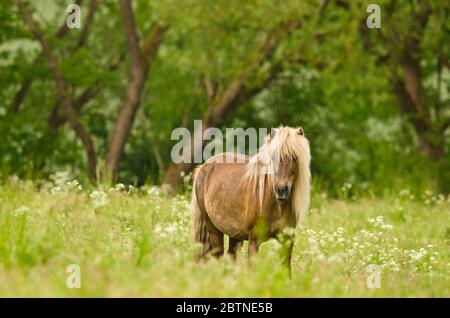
[[136, 242]]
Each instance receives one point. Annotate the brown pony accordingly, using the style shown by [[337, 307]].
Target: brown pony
[[252, 198]]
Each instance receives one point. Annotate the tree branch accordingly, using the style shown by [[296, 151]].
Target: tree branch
[[62, 31], [87, 24], [228, 100], [445, 126], [445, 61], [132, 37], [61, 88], [56, 120], [237, 92], [152, 42]]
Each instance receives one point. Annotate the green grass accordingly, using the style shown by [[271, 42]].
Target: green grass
[[136, 243]]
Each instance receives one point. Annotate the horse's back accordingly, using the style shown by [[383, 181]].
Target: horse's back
[[221, 194]]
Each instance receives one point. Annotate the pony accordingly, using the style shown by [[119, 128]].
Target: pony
[[252, 198]]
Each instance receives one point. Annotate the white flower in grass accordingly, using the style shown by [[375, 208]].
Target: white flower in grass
[[163, 235], [98, 198], [73, 185], [119, 187], [154, 191], [171, 229], [289, 231], [21, 210], [335, 258], [321, 257], [276, 244], [405, 192], [313, 245], [131, 189]]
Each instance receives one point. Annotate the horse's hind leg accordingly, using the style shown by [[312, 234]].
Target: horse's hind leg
[[234, 247], [205, 250], [216, 240]]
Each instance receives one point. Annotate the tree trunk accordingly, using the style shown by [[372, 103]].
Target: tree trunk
[[414, 108], [141, 59], [125, 119]]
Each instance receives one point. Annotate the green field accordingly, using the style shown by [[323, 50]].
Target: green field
[[136, 243]]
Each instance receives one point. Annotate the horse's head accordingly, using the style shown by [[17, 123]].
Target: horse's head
[[284, 160], [284, 178]]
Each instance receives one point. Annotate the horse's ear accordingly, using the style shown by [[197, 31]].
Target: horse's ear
[[273, 132], [300, 131]]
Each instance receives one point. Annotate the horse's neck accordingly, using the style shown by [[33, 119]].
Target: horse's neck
[[271, 202], [278, 213]]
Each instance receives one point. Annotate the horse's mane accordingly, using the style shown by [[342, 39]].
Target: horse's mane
[[287, 144]]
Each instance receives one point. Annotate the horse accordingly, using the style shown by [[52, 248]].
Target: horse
[[252, 198]]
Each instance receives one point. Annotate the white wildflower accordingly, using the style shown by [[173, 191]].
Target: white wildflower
[[99, 198], [21, 210]]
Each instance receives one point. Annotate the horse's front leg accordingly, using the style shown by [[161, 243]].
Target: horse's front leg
[[253, 245], [287, 254]]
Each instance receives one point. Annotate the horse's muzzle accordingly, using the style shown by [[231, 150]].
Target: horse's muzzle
[[282, 193]]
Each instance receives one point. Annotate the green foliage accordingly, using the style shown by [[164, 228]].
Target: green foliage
[[332, 84]]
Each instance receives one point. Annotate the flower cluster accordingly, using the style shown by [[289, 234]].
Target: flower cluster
[[154, 191], [164, 232], [406, 193], [61, 182], [429, 198], [369, 246], [119, 187], [99, 198], [178, 223], [346, 187], [21, 210]]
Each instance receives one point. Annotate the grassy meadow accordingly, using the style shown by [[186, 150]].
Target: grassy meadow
[[135, 242]]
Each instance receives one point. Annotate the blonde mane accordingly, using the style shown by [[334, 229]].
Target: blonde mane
[[286, 144]]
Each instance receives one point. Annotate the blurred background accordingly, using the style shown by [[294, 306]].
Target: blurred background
[[100, 102]]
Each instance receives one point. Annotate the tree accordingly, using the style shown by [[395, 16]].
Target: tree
[[141, 55], [223, 102], [62, 90], [409, 51]]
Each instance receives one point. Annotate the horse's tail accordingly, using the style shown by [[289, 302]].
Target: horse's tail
[[200, 232]]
